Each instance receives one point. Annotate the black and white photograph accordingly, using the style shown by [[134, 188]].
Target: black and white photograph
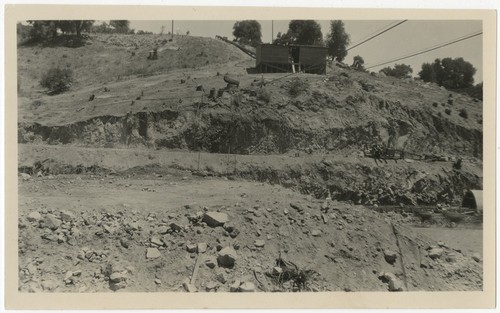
[[250, 155]]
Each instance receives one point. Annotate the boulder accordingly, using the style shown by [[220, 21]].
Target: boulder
[[162, 230], [211, 285], [235, 287], [390, 256], [175, 227], [211, 261], [221, 277], [191, 247], [476, 257], [67, 216], [227, 257], [152, 253], [247, 287], [435, 253], [188, 286], [259, 243], [118, 277], [156, 241], [201, 247], [51, 222], [392, 281], [214, 219], [316, 232], [34, 216]]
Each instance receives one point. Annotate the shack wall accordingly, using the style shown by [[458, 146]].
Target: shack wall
[[272, 54], [312, 55]]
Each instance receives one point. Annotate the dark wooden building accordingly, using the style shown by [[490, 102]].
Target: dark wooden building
[[293, 58]]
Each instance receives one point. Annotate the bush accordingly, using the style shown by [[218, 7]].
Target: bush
[[264, 95], [57, 80], [447, 111], [435, 104], [463, 113], [457, 164], [297, 86]]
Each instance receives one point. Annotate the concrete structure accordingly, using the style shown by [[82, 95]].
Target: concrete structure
[[293, 58], [473, 199]]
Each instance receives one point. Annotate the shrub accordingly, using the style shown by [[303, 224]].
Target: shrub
[[264, 95], [447, 111], [435, 104], [463, 113], [57, 80], [457, 164], [297, 86]]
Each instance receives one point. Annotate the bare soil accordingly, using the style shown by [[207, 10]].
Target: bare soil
[[344, 245]]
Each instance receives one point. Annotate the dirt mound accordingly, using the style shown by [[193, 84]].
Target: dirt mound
[[277, 239]]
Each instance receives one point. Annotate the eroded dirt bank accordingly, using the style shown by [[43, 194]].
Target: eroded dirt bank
[[360, 180]]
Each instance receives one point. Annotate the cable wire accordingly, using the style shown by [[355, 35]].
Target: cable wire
[[374, 36], [374, 33], [426, 50]]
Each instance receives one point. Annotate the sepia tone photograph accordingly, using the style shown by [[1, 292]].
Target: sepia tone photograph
[[249, 155]]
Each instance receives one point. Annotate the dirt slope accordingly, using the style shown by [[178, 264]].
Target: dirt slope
[[105, 237]]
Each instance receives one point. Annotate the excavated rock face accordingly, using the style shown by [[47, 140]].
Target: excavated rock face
[[323, 118]]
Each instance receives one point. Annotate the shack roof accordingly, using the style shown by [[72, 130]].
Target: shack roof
[[293, 45]]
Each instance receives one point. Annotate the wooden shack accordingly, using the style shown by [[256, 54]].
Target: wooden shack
[[473, 199], [293, 58]]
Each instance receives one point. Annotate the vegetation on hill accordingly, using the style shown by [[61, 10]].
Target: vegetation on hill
[[247, 32], [107, 58], [337, 41], [398, 71], [301, 32]]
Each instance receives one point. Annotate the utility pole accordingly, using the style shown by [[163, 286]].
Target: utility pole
[[272, 31], [172, 29]]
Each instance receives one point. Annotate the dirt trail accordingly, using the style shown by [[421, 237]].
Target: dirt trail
[[352, 178]]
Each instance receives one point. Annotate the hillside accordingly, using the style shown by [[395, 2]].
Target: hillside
[[108, 58]]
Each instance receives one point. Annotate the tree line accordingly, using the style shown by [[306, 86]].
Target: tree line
[[43, 30]]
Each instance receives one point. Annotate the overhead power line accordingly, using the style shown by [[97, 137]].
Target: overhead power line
[[427, 50], [373, 33], [376, 35]]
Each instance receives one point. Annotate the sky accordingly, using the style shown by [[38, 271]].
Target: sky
[[409, 37]]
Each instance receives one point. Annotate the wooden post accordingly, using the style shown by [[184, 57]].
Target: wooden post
[[199, 156], [272, 31]]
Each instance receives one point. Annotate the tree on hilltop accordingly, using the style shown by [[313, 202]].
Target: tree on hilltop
[[450, 73], [337, 41], [247, 32], [42, 30], [120, 26], [399, 71]]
